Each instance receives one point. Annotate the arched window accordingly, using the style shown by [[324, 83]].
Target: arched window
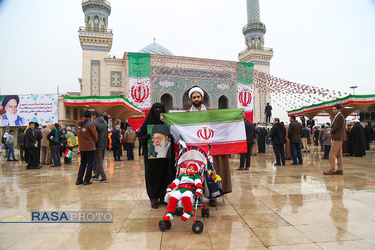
[[104, 23], [223, 102], [88, 22], [167, 100], [96, 23]]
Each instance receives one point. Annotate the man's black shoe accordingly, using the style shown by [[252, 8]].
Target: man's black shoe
[[38, 167], [294, 163], [79, 182], [277, 164], [87, 182]]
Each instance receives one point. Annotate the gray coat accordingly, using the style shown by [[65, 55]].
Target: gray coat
[[102, 128], [326, 137]]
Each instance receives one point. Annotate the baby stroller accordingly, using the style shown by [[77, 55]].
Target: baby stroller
[[186, 156]]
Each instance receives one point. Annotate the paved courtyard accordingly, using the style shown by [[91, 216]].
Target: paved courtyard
[[270, 207]]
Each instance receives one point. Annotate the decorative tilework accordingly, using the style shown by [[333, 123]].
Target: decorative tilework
[[97, 48], [95, 77], [116, 78], [214, 83], [260, 62]]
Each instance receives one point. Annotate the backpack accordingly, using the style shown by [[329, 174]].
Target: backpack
[[212, 189]]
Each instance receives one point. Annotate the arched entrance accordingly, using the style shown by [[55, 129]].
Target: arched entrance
[[187, 103], [167, 100], [223, 102]]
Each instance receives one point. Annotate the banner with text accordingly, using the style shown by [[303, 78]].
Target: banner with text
[[19, 110]]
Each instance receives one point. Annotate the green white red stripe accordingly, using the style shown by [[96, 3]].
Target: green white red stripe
[[245, 88], [101, 100], [68, 153], [139, 80], [223, 130]]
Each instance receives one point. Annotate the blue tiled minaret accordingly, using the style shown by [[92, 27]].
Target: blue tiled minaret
[[256, 53]]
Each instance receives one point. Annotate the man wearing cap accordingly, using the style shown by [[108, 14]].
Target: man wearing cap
[[338, 135], [326, 140], [160, 135], [9, 111], [87, 138]]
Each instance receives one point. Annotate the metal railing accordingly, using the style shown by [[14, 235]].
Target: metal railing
[[94, 29], [253, 25], [99, 1], [257, 48]]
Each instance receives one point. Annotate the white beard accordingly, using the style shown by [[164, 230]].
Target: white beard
[[12, 118], [160, 150]]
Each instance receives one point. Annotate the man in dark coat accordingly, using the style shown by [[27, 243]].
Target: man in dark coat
[[101, 145], [268, 112], [278, 134], [294, 135], [54, 140], [368, 135], [31, 144], [358, 139], [116, 143], [262, 140], [250, 133], [338, 135]]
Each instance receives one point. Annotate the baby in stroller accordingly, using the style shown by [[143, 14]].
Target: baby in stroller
[[186, 185]]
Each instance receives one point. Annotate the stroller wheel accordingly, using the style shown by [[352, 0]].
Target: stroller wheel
[[206, 213], [162, 225], [198, 227], [168, 224]]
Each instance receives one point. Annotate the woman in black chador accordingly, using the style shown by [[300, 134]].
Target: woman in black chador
[[159, 172]]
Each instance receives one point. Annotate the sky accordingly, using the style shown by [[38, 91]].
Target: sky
[[324, 43]]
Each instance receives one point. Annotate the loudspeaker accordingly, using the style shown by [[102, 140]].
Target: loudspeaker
[[372, 116], [367, 115]]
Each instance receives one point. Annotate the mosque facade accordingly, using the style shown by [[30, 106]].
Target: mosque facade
[[171, 76]]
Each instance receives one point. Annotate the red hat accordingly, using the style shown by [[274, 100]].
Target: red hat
[[195, 165]]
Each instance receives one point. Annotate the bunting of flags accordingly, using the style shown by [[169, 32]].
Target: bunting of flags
[[286, 94]]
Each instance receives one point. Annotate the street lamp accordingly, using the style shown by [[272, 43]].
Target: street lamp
[[353, 87]]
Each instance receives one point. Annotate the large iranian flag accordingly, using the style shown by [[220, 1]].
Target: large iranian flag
[[223, 130], [139, 80], [245, 88]]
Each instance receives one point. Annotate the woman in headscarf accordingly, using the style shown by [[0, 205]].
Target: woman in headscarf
[[159, 172]]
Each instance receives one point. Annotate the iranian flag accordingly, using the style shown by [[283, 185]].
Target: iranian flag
[[139, 80], [245, 88], [68, 153], [223, 130]]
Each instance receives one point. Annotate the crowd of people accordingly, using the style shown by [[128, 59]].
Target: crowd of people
[[46, 146]]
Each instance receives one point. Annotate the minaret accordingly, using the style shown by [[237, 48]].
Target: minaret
[[96, 43], [256, 53]]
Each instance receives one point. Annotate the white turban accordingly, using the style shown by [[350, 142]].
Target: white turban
[[196, 89]]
